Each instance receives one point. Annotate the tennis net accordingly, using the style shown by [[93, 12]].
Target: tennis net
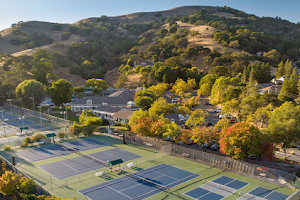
[[84, 155], [247, 196], [92, 158], [67, 147], [148, 183], [219, 186]]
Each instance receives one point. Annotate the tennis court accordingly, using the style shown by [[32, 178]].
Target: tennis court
[[19, 122], [216, 189], [74, 166], [56, 150], [8, 117], [263, 193], [140, 185]]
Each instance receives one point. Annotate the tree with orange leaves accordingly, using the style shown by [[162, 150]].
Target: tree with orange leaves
[[241, 140], [142, 126], [205, 135]]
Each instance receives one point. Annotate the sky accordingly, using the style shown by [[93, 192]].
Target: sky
[[70, 11]]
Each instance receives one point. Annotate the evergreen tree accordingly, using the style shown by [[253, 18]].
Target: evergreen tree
[[280, 70], [245, 75], [251, 77], [289, 87], [288, 68]]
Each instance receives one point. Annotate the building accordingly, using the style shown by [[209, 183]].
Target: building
[[122, 116], [274, 89], [278, 81], [120, 98], [144, 63]]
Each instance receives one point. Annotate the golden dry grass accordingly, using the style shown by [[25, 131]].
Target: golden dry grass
[[63, 73]]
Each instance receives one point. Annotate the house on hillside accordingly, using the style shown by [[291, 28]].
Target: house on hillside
[[144, 63], [274, 89], [278, 81], [120, 98], [260, 53]]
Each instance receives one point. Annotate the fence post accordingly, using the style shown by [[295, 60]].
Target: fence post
[[51, 182]]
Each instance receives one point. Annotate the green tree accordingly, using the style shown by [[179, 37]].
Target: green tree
[[137, 115], [172, 130], [241, 140], [143, 102], [41, 69], [218, 88], [193, 34], [261, 115], [223, 123], [181, 87], [159, 89], [6, 89], [60, 92], [161, 107], [205, 90], [209, 78], [79, 89], [100, 83], [284, 124], [85, 116], [197, 117], [97, 90], [231, 107], [30, 88], [280, 71], [220, 70], [289, 87], [26, 185]]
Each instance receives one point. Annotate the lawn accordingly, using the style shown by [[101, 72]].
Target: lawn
[[69, 187]]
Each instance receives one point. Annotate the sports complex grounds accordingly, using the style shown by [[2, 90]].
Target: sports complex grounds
[[78, 167]]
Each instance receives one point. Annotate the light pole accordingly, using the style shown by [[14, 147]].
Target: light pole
[[3, 123], [40, 107], [66, 112], [22, 114], [33, 106], [10, 104]]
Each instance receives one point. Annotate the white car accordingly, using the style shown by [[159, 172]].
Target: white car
[[217, 110], [172, 120], [180, 116]]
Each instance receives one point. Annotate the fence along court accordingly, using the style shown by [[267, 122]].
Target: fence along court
[[39, 188], [37, 114], [272, 176]]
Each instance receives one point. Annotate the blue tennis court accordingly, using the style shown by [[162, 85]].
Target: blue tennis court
[[216, 189], [264, 193], [56, 150], [19, 122], [74, 166], [9, 117], [128, 187]]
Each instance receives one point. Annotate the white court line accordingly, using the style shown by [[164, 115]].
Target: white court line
[[269, 194], [119, 192], [70, 167], [130, 187]]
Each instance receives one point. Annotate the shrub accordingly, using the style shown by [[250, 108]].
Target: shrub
[[57, 27], [37, 137], [87, 130], [118, 124], [6, 147], [61, 134], [26, 140], [65, 35]]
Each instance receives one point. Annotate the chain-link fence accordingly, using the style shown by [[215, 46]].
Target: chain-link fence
[[270, 175], [12, 142], [39, 188], [36, 114], [53, 183]]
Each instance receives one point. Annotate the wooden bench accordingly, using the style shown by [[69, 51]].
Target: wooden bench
[[115, 169], [185, 155], [130, 165], [99, 173]]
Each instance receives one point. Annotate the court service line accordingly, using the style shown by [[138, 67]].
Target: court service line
[[119, 192], [69, 167]]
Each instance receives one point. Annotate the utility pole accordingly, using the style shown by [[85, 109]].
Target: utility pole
[[22, 114], [40, 107], [33, 106]]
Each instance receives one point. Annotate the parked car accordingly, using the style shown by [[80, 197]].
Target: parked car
[[207, 103], [217, 110], [180, 116], [172, 120], [214, 147], [209, 124]]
